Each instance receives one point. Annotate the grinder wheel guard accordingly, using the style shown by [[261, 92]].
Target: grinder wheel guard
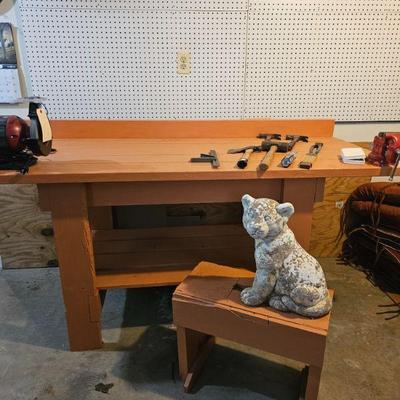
[[21, 141]]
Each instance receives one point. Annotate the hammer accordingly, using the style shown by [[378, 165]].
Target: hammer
[[296, 138], [281, 147], [270, 146], [247, 152]]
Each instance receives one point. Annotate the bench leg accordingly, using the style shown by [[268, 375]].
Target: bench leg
[[74, 245], [301, 193], [312, 376], [193, 350]]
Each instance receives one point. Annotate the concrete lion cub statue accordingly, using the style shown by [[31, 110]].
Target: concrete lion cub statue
[[287, 277]]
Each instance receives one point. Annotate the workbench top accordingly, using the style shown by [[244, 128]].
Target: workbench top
[[162, 159]]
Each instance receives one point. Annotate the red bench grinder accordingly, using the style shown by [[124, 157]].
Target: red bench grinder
[[21, 140]]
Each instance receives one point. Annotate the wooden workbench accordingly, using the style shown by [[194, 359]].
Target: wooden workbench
[[99, 164]]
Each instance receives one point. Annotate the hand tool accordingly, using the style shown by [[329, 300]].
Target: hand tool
[[288, 159], [281, 147], [294, 139], [249, 150], [269, 136], [311, 156], [211, 157], [272, 147]]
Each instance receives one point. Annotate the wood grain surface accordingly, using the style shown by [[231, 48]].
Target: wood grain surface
[[173, 247], [326, 215], [22, 244], [187, 128], [128, 160]]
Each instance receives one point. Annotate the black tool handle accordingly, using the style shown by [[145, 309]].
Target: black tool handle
[[242, 163]]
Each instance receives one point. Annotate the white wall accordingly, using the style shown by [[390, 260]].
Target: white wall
[[363, 132], [350, 132]]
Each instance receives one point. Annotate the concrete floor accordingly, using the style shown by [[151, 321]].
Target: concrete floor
[[362, 358]]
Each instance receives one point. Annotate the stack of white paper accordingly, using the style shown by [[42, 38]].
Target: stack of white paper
[[353, 155]]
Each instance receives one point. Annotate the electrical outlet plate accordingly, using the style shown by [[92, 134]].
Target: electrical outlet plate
[[184, 62], [339, 204]]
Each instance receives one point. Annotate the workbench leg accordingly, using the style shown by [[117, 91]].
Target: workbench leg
[[301, 193], [74, 246], [313, 377], [193, 350]]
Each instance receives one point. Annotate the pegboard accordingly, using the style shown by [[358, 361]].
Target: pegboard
[[197, 5], [250, 58], [10, 87], [312, 59], [122, 64]]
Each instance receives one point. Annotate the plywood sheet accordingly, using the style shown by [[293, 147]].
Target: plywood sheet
[[22, 244], [326, 215]]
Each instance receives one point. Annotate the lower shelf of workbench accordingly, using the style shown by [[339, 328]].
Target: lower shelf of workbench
[[129, 258], [140, 278]]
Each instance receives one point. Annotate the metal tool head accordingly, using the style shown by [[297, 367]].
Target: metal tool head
[[243, 149], [297, 138], [315, 148], [282, 147], [269, 136], [211, 157]]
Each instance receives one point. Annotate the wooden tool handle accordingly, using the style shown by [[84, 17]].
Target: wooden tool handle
[[242, 163], [307, 161], [267, 160]]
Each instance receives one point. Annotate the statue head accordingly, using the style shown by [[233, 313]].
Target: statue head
[[265, 218]]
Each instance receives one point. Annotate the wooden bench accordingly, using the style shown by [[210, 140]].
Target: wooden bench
[[207, 305], [102, 164]]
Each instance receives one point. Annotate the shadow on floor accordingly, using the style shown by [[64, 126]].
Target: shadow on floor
[[153, 359], [151, 356]]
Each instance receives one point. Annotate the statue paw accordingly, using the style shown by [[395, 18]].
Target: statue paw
[[251, 297]]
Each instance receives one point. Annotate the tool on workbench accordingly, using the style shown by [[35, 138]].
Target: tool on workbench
[[291, 139], [311, 156], [21, 140], [280, 147], [272, 147], [211, 157], [288, 159], [269, 136], [247, 152], [294, 139]]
